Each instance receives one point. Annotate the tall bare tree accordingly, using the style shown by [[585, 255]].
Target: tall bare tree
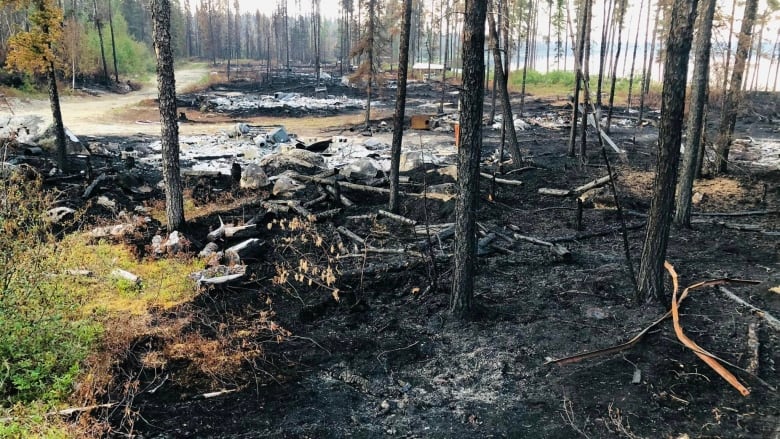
[[400, 104], [678, 46], [471, 100], [734, 94], [699, 93], [166, 88], [501, 82]]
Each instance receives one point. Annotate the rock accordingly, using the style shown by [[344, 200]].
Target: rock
[[239, 130], [253, 177], [360, 169], [412, 160], [174, 243], [697, 198], [285, 186], [298, 160]]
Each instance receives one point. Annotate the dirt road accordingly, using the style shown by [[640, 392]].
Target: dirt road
[[109, 113]]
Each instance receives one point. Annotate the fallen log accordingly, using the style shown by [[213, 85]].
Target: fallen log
[[338, 196], [246, 249], [351, 235], [224, 231], [501, 180], [576, 191], [95, 183], [556, 249], [744, 213], [395, 217], [302, 211], [439, 236], [738, 226], [483, 245], [326, 214]]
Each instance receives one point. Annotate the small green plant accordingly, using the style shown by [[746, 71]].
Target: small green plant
[[42, 337]]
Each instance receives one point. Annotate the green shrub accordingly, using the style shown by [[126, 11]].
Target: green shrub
[[43, 338]]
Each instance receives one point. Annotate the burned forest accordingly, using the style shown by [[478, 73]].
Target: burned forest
[[389, 218]]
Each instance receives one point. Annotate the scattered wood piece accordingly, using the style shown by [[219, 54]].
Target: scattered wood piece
[[78, 272], [576, 191], [224, 231], [753, 345], [382, 251], [737, 226], [770, 320], [424, 229], [219, 275], [302, 211], [321, 199], [216, 394], [501, 180], [95, 183], [351, 235], [337, 195], [698, 350], [123, 274], [246, 249], [556, 249], [327, 214], [438, 237], [381, 267], [595, 233], [210, 249], [554, 192], [274, 207], [592, 185], [395, 217], [743, 213], [483, 245]]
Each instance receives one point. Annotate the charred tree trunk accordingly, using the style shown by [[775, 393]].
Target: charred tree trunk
[[499, 80], [621, 17], [400, 105], [461, 303], [648, 69], [678, 46], [633, 57], [701, 72], [734, 94], [166, 86], [99, 26], [113, 43], [56, 112], [578, 52]]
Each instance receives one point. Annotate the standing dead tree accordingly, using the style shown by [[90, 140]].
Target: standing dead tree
[[678, 46]]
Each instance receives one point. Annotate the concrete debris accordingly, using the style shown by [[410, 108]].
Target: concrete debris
[[286, 186], [253, 177], [240, 103], [360, 169]]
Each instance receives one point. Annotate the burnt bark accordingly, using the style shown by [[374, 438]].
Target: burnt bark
[[506, 105], [678, 46], [166, 87], [734, 95], [400, 105], [471, 99], [56, 112], [701, 72]]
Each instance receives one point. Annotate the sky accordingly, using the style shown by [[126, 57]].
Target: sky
[[329, 8]]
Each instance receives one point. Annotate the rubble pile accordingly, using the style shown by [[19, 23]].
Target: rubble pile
[[245, 104]]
